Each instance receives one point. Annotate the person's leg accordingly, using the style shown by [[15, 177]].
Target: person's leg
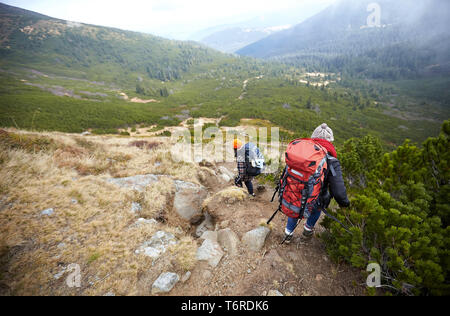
[[291, 223], [249, 186], [289, 231], [308, 229], [313, 218]]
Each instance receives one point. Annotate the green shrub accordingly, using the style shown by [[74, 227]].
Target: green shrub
[[400, 218]]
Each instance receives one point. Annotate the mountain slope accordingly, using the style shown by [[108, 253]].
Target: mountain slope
[[233, 39], [92, 51], [342, 29]]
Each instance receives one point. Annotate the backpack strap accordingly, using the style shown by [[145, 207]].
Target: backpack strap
[[330, 165]]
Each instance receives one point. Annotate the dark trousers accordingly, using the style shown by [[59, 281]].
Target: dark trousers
[[249, 186]]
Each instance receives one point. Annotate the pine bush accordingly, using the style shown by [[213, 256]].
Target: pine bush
[[399, 214]]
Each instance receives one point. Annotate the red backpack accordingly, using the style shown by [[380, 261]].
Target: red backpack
[[302, 181], [303, 178]]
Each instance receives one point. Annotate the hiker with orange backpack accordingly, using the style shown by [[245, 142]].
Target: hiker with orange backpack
[[312, 177], [250, 163]]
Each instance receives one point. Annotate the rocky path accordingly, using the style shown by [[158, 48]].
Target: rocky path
[[296, 269]]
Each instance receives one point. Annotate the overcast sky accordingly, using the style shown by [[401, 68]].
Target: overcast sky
[[168, 18]]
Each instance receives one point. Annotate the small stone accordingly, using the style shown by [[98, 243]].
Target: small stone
[[109, 294], [48, 212], [186, 277], [136, 207], [274, 293], [249, 271], [165, 283], [74, 201], [319, 277], [61, 245]]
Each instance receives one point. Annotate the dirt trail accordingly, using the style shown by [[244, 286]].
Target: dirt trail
[[296, 269]]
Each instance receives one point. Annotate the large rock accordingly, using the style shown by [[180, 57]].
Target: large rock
[[229, 241], [255, 239], [165, 283], [157, 245], [210, 251], [188, 200], [138, 183]]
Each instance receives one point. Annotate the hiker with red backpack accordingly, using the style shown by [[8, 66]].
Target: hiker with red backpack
[[312, 177], [250, 163]]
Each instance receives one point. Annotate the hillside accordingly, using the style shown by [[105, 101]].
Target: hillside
[[61, 76], [232, 39], [119, 211], [101, 203], [412, 35], [94, 52]]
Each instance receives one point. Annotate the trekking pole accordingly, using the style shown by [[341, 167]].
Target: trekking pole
[[338, 221], [275, 193], [273, 216]]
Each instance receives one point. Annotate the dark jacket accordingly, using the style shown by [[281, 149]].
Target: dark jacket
[[334, 186]]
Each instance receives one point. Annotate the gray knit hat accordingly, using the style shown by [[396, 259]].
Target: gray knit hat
[[324, 132]]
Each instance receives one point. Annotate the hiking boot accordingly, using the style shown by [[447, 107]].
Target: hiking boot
[[253, 195], [307, 234], [288, 238]]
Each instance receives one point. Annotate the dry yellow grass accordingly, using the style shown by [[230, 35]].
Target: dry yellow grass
[[229, 195], [92, 224]]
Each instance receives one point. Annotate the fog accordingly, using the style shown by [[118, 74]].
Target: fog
[[177, 19]]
